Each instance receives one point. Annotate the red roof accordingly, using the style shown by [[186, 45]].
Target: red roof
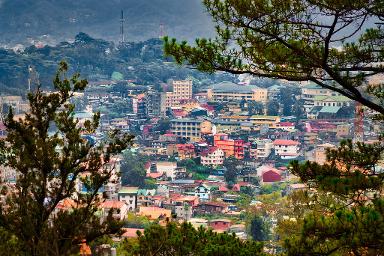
[[147, 165], [154, 175], [271, 176], [286, 142], [112, 204], [213, 204], [208, 151], [208, 107], [179, 113], [236, 188], [131, 232], [223, 189], [185, 147], [286, 124]]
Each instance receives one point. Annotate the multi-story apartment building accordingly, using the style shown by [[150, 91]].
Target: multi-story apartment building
[[256, 120], [311, 91], [332, 101], [260, 149], [18, 105], [228, 91], [154, 104], [286, 149], [129, 196], [230, 147], [181, 90], [190, 129], [213, 156]]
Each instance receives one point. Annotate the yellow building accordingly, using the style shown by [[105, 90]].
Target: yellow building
[[182, 90], [256, 120], [190, 129], [228, 91]]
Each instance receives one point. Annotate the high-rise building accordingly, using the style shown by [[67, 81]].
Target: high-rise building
[[181, 90], [154, 104]]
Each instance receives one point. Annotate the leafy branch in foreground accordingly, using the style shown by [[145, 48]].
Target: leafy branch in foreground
[[351, 221], [51, 158], [295, 40]]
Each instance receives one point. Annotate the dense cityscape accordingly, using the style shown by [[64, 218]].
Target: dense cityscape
[[148, 157]]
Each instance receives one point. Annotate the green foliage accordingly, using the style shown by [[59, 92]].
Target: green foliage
[[48, 169], [163, 126], [285, 40], [134, 221], [259, 228], [288, 99], [359, 230], [292, 40], [96, 59], [271, 188], [232, 165], [132, 170], [351, 217], [273, 108], [183, 239], [255, 108]]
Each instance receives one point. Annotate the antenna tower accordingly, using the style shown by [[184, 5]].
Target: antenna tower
[[122, 39], [33, 78], [161, 30], [359, 123]]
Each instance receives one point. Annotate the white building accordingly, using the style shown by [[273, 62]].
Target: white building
[[129, 196], [286, 149], [168, 168], [213, 156], [260, 149], [119, 209], [203, 192]]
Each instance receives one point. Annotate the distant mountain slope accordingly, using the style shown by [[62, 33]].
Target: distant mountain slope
[[95, 59], [59, 20]]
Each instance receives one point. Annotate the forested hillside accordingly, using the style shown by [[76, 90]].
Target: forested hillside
[[95, 59], [57, 20]]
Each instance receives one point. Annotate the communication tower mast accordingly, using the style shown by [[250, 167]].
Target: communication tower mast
[[122, 20], [33, 78]]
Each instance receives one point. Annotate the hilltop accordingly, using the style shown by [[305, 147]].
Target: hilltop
[[53, 21], [96, 59]]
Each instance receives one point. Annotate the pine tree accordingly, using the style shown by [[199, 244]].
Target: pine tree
[[322, 42], [50, 157], [184, 239], [296, 40]]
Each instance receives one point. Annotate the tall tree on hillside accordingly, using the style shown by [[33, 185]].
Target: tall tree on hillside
[[232, 166], [322, 42], [49, 168], [132, 170], [295, 40], [273, 108], [255, 108]]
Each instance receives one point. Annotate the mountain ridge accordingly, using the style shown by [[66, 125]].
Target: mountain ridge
[[52, 21]]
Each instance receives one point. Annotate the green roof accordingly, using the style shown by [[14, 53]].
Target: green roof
[[128, 190], [145, 192], [232, 87], [329, 109], [331, 98]]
